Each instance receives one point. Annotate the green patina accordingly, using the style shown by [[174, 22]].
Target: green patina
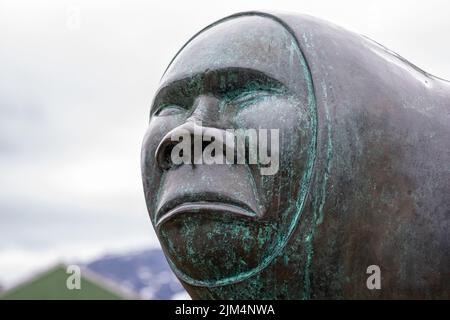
[[237, 231]]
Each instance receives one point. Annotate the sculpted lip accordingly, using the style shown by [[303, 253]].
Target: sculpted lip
[[183, 205]]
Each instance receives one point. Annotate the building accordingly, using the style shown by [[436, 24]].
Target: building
[[52, 285]]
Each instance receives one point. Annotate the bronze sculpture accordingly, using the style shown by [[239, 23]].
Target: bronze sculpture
[[364, 168]]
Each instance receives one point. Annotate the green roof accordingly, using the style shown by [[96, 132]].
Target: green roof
[[51, 285]]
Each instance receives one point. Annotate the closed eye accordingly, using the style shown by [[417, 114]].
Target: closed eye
[[252, 97], [169, 110]]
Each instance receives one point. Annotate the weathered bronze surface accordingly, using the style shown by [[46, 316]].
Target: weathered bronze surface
[[364, 175]]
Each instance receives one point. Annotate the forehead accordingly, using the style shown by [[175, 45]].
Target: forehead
[[248, 43]]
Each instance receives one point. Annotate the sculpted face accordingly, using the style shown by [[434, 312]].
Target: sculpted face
[[360, 179], [222, 223]]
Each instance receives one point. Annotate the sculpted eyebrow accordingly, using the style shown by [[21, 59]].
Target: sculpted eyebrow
[[181, 92], [224, 82], [221, 83]]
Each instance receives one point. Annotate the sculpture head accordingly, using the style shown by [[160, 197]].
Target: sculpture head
[[358, 178], [222, 223]]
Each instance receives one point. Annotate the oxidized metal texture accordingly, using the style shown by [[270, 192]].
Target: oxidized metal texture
[[364, 174]]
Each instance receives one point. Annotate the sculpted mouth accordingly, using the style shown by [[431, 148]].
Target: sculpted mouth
[[185, 205]]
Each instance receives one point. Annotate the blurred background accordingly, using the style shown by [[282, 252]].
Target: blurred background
[[76, 82]]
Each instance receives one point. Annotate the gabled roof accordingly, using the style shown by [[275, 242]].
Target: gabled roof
[[51, 285]]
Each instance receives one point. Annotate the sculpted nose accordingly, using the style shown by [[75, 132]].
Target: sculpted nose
[[195, 138], [196, 133], [205, 110]]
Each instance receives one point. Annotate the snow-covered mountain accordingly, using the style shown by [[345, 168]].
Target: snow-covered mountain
[[145, 272]]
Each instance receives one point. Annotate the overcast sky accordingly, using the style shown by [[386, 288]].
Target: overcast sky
[[76, 82]]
